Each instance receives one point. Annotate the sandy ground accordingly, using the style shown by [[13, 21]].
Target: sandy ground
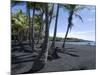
[[86, 60]]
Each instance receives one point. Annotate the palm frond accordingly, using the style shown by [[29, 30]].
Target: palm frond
[[79, 8], [78, 16], [16, 2]]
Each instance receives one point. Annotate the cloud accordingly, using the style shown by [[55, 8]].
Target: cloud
[[59, 34], [93, 11], [91, 19], [87, 35], [92, 8], [82, 32]]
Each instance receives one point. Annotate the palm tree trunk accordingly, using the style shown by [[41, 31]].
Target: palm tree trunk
[[63, 46], [44, 52], [33, 28], [55, 30], [51, 15], [68, 27], [41, 27], [29, 20], [42, 58]]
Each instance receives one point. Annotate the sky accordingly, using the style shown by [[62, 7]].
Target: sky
[[82, 30]]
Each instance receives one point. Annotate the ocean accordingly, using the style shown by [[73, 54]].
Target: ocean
[[80, 43]]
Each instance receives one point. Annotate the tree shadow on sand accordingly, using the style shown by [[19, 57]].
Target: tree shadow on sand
[[57, 50], [38, 64]]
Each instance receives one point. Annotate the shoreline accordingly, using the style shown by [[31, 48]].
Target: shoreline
[[76, 43], [58, 44]]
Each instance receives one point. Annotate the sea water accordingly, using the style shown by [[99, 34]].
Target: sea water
[[81, 43]]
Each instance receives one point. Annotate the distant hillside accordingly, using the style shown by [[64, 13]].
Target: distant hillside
[[69, 39]]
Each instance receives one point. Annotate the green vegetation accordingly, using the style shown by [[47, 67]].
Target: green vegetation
[[68, 39]]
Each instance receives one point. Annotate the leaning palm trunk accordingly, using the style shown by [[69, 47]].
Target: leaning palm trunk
[[55, 30], [68, 27], [63, 46]]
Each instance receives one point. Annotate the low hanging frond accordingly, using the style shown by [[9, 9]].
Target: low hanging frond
[[78, 16]]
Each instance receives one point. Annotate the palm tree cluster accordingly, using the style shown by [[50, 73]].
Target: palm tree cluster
[[33, 26]]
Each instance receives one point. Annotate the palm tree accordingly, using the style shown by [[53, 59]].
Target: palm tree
[[19, 23], [42, 57], [44, 51], [51, 14], [41, 21], [55, 29], [72, 9], [33, 8], [15, 2], [28, 5]]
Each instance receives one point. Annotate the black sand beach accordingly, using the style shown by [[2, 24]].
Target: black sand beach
[[75, 57]]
